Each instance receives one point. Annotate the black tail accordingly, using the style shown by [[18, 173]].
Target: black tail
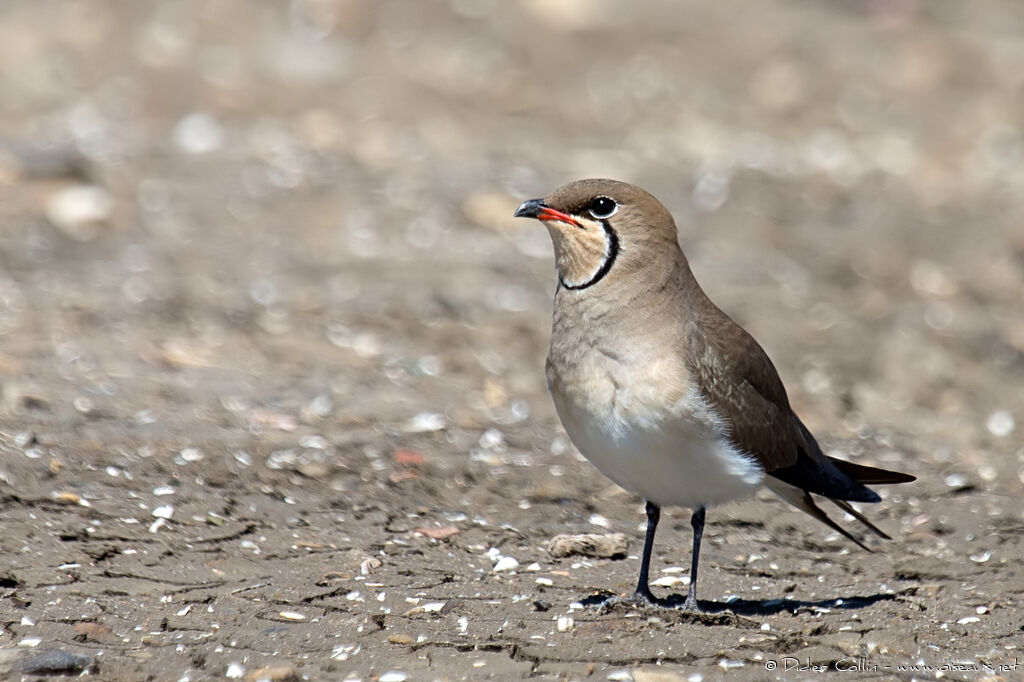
[[870, 475]]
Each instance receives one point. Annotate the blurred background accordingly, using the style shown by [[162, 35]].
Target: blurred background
[[276, 237], [182, 180]]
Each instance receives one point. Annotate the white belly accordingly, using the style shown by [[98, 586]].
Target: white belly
[[673, 454]]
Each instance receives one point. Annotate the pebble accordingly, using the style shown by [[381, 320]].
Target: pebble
[[1000, 424], [565, 623], [671, 581], [438, 533], [400, 639], [957, 481], [66, 497], [279, 673], [198, 133], [506, 563], [55, 662], [191, 455], [235, 670], [163, 512], [425, 422], [588, 544], [343, 652], [432, 607], [393, 676], [79, 209]]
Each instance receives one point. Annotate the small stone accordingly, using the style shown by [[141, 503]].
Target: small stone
[[235, 670], [163, 512], [608, 545], [438, 533], [1000, 424], [281, 673], [565, 623], [79, 209], [671, 581], [425, 422], [191, 455], [432, 607], [198, 133], [407, 457], [67, 497], [506, 563], [957, 481], [400, 639], [95, 632], [291, 615], [393, 676], [55, 662]]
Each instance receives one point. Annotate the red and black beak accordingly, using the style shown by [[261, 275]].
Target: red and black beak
[[536, 208]]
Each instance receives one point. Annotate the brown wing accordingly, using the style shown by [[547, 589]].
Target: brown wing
[[738, 379], [736, 376]]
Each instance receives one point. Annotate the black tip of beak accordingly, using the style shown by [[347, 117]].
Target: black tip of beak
[[530, 209]]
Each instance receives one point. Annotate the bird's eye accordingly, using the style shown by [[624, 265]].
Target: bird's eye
[[602, 207]]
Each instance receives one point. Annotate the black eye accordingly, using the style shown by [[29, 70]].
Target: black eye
[[602, 207]]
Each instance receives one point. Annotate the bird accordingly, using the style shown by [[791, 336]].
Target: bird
[[659, 388]]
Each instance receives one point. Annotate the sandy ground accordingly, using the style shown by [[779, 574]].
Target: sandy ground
[[271, 345]]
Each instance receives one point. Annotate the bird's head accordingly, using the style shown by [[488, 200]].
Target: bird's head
[[603, 228]]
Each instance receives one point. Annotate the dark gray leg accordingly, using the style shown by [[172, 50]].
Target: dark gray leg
[[643, 590], [697, 522]]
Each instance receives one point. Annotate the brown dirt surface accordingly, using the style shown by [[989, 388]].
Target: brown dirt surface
[[271, 345]]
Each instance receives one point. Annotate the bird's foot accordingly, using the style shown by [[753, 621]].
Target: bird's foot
[[690, 605]]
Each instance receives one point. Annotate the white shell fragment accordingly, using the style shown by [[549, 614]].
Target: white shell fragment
[[425, 422], [163, 512], [78, 209], [671, 581]]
